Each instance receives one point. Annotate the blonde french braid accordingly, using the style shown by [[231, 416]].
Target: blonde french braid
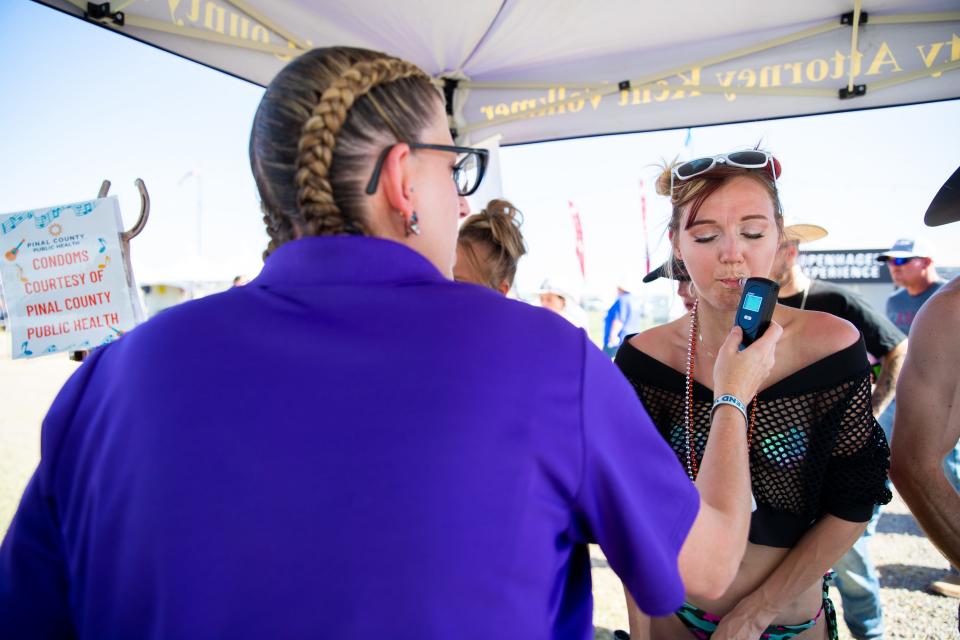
[[315, 201]]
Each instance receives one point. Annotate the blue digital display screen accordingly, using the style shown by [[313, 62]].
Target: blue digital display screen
[[752, 302]]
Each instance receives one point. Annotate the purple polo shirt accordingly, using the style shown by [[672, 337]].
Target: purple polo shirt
[[351, 446]]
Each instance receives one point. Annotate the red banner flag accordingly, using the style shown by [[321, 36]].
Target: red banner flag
[[643, 216], [578, 228]]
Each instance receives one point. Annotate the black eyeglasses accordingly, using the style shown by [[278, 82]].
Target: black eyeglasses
[[467, 172]]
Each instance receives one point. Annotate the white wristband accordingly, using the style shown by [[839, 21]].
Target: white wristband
[[733, 401]]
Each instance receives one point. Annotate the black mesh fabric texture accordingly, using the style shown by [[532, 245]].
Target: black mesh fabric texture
[[816, 446]]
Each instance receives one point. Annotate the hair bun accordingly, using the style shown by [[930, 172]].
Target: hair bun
[[504, 221], [663, 181], [501, 207], [497, 226]]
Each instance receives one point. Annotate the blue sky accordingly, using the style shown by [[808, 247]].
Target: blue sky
[[82, 104]]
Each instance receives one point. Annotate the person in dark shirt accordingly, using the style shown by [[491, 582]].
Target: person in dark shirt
[[885, 342], [857, 579]]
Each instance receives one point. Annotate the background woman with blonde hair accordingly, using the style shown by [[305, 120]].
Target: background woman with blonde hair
[[489, 246]]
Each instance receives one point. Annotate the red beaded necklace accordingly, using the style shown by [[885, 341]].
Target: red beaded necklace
[[692, 466]]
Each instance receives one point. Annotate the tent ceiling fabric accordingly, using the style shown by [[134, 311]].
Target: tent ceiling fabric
[[534, 70]]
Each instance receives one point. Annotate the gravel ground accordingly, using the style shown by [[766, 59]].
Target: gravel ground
[[907, 563], [906, 559]]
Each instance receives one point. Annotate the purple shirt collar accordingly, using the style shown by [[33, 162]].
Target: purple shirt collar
[[346, 260]]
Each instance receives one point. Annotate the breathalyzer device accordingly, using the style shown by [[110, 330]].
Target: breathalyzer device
[[757, 302]]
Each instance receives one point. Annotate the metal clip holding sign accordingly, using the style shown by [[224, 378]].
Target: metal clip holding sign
[[125, 239]]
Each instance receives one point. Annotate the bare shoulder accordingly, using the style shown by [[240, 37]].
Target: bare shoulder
[[661, 342], [815, 334], [945, 303], [928, 389]]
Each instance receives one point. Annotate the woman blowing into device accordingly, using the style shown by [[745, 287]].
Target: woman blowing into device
[[817, 457]]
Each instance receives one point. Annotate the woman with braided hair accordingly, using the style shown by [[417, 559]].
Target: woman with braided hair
[[329, 462], [489, 246]]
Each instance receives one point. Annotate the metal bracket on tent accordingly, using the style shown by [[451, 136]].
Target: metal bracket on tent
[[101, 11], [623, 85], [847, 18], [125, 239], [858, 91], [449, 90]]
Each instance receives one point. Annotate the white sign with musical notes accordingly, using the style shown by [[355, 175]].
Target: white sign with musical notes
[[63, 278]]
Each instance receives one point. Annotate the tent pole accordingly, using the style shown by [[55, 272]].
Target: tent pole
[[915, 18], [192, 33], [916, 75], [705, 62], [855, 30], [269, 24]]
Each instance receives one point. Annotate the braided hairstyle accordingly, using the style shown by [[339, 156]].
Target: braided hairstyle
[[319, 127], [497, 229]]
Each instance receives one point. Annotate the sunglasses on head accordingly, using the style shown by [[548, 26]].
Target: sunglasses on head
[[752, 159], [900, 261]]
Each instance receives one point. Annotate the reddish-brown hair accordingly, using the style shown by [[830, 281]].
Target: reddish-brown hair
[[695, 191]]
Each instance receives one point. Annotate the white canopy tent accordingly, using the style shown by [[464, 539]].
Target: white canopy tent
[[535, 70]]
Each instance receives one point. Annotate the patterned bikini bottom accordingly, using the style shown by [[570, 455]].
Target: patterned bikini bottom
[[702, 624]]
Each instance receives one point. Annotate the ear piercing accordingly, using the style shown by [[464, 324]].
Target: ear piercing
[[413, 226]]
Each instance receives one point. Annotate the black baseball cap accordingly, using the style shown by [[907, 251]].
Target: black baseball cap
[[679, 272], [945, 207]]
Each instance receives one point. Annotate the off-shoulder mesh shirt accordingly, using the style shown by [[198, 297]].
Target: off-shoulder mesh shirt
[[816, 446]]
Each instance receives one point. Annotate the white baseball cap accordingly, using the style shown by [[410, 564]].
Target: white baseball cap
[[557, 287], [906, 248]]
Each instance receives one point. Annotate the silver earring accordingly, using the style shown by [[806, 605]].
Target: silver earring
[[414, 225]]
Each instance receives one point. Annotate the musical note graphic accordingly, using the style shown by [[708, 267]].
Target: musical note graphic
[[51, 349], [115, 330], [20, 275], [83, 209], [103, 245], [12, 254], [23, 349], [103, 265], [12, 223]]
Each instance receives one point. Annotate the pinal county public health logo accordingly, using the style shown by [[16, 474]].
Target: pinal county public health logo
[[55, 229]]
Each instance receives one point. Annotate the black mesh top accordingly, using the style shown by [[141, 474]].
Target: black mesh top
[[816, 446]]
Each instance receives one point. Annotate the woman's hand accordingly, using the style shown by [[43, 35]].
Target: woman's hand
[[740, 373], [746, 621]]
